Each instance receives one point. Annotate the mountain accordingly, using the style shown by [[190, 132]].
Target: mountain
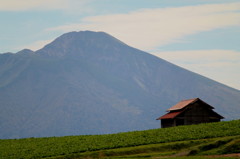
[[92, 83]]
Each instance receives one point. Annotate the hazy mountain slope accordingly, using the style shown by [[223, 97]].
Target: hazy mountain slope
[[91, 83]]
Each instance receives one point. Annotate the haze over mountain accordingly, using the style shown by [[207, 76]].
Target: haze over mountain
[[92, 83]]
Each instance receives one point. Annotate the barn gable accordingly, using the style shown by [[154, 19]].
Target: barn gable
[[188, 112]]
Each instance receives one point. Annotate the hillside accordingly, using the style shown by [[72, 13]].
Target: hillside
[[204, 139], [92, 83]]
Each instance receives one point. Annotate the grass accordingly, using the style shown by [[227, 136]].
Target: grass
[[171, 150], [185, 157], [203, 139]]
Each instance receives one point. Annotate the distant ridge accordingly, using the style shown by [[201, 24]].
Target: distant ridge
[[25, 51], [91, 83]]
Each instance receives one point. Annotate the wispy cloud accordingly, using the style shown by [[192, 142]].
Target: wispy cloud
[[24, 5], [216, 64], [150, 28]]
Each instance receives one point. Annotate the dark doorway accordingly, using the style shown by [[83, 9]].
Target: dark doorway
[[179, 122]]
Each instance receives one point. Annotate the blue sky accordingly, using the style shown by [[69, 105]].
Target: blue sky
[[200, 35]]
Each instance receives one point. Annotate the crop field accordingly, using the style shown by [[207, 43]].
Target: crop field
[[203, 139]]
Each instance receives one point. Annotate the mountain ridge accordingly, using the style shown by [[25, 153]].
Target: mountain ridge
[[92, 83], [84, 38]]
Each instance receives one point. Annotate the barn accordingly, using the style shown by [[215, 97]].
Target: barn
[[188, 112]]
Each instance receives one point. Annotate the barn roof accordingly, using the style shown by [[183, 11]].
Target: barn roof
[[170, 115], [184, 103], [215, 114]]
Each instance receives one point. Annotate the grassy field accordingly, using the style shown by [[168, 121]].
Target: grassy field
[[179, 149], [194, 141]]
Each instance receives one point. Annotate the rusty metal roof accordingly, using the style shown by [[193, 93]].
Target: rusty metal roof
[[182, 104], [170, 115]]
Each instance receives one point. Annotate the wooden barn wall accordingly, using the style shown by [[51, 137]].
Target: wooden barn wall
[[197, 114]]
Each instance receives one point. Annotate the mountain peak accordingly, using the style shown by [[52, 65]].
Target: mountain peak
[[78, 43], [25, 51]]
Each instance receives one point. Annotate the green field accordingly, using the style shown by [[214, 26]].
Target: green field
[[194, 141]]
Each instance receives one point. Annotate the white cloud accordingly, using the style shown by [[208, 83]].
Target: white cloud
[[23, 5], [150, 28], [221, 65]]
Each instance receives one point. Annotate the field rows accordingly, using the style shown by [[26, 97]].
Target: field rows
[[59, 146]]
